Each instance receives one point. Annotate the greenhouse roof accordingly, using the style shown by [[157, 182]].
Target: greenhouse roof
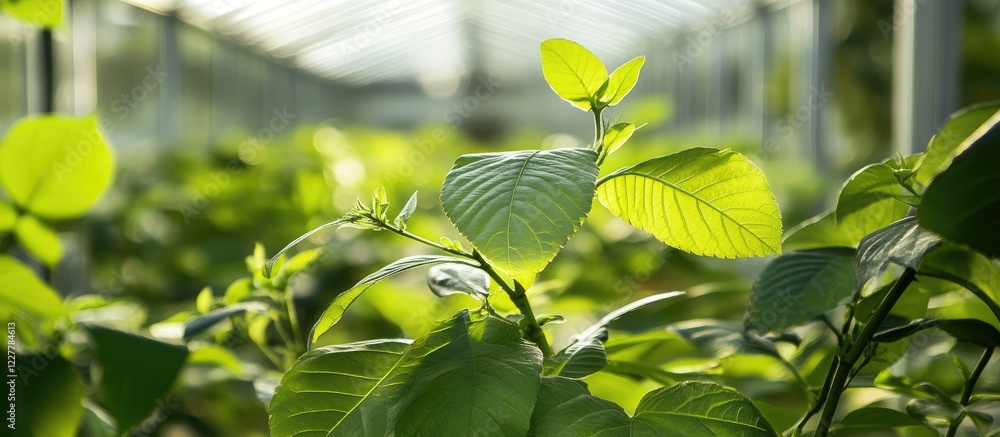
[[368, 41]]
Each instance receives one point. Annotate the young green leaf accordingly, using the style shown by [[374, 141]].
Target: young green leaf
[[617, 135], [580, 359], [199, 324], [565, 408], [8, 216], [595, 330], [973, 331], [203, 303], [406, 212], [336, 310], [519, 208], [799, 286], [44, 13], [874, 196], [270, 263], [573, 72], [48, 396], [820, 231], [55, 167], [903, 242], [952, 139], [237, 291], [25, 300], [698, 408], [135, 372], [704, 201], [621, 82], [39, 239], [962, 203], [448, 279]]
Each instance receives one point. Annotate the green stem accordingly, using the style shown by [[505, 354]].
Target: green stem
[[293, 321], [858, 348], [969, 386], [517, 294], [422, 240], [968, 285]]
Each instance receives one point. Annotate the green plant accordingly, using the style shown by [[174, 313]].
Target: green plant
[[497, 372]]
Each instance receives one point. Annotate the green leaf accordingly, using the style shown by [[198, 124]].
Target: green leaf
[[874, 196], [203, 303], [336, 310], [617, 135], [577, 360], [912, 305], [597, 329], [963, 202], [951, 140], [800, 286], [199, 324], [44, 13], [237, 291], [565, 408], [274, 259], [49, 393], [698, 409], [573, 72], [136, 372], [704, 201], [519, 208], [8, 216], [406, 212], [973, 331], [55, 167], [26, 300], [820, 231], [621, 81], [478, 372], [903, 242], [965, 267], [447, 279], [39, 240], [875, 418]]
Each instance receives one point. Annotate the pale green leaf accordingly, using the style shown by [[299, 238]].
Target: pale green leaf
[[519, 208], [621, 81], [820, 231], [903, 242], [573, 72], [39, 239], [617, 135], [8, 216], [408, 209], [800, 286], [26, 300], [698, 409], [704, 201], [565, 408], [203, 303], [55, 167], [237, 291], [336, 310], [951, 140], [448, 279], [44, 13]]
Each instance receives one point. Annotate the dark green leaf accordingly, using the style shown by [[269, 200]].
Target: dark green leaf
[[875, 418], [446, 279], [593, 331], [136, 372], [199, 324], [577, 360], [698, 409], [800, 286], [963, 202], [565, 408], [48, 394], [336, 310], [951, 140], [903, 242], [519, 208]]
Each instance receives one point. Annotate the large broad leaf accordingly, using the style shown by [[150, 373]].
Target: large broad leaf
[[565, 408], [903, 242], [962, 203], [39, 240], [951, 140], [573, 72], [519, 208], [136, 372], [27, 301], [48, 392], [621, 81], [698, 409], [479, 373], [704, 201], [55, 167], [44, 13], [336, 310], [800, 286]]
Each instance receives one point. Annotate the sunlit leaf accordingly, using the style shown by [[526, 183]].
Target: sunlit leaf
[[621, 81], [873, 198], [573, 72], [903, 242], [336, 310], [565, 408], [55, 167], [704, 201], [39, 240], [203, 303], [406, 212], [44, 13], [8, 216], [874, 418], [519, 208], [799, 286], [26, 300], [48, 393], [951, 140], [617, 135], [447, 279], [696, 409]]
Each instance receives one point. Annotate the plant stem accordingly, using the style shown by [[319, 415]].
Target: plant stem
[[598, 131], [517, 294], [858, 348], [968, 285], [969, 386], [293, 321], [423, 240]]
